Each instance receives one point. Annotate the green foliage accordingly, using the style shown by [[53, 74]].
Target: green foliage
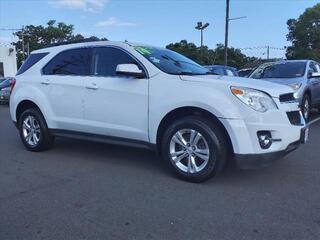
[[304, 33], [206, 56], [40, 36]]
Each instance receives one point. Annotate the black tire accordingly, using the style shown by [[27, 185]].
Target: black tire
[[46, 140], [216, 142], [306, 111]]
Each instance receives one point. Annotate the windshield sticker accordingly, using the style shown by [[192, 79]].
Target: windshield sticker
[[143, 51]]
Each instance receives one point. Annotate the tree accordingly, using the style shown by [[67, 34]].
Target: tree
[[36, 37], [304, 33], [206, 56]]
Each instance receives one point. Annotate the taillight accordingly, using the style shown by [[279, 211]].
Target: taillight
[[12, 84]]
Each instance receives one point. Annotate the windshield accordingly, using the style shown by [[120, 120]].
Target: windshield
[[280, 70], [171, 62]]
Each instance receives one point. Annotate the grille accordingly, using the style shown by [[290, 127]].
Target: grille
[[289, 97], [294, 118]]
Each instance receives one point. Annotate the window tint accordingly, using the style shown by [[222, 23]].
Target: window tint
[[106, 60], [312, 67], [31, 60], [1, 70], [280, 70], [229, 72], [70, 62], [217, 70]]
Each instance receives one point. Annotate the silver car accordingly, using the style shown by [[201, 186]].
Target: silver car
[[5, 90], [301, 75], [4, 95]]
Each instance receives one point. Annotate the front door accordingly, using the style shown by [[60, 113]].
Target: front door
[[115, 105]]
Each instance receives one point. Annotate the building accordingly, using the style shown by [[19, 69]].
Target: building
[[8, 60]]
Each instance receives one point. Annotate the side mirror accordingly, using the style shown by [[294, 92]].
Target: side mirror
[[131, 70], [313, 74]]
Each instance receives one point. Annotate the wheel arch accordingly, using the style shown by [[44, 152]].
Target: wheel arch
[[309, 93], [189, 111], [24, 105]]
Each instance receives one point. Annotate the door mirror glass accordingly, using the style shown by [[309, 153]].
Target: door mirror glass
[[130, 70]]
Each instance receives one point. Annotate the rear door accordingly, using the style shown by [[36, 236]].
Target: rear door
[[116, 105], [63, 83]]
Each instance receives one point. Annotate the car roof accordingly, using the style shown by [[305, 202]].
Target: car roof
[[221, 66], [82, 44], [296, 60]]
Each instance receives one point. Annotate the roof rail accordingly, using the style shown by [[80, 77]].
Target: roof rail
[[91, 39]]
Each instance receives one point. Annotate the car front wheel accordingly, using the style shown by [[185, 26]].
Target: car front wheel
[[194, 148], [306, 106]]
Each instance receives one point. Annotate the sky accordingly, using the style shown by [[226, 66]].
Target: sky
[[160, 22]]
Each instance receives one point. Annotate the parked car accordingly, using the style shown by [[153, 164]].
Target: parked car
[[303, 76], [245, 72], [152, 97], [222, 70], [5, 90], [4, 95]]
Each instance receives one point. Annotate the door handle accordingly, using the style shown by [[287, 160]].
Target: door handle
[[93, 86], [45, 82]]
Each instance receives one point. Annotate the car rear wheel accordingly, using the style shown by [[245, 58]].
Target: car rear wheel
[[34, 132], [194, 148]]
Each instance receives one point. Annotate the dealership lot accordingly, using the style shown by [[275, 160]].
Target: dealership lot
[[85, 190]]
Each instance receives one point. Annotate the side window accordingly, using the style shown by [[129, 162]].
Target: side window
[[318, 67], [312, 67], [106, 59], [70, 62], [1, 70], [31, 60], [229, 72], [218, 71]]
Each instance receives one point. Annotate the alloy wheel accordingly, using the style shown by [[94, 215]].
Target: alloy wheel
[[189, 150], [31, 131], [306, 109]]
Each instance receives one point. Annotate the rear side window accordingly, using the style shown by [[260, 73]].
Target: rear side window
[[69, 62], [31, 60], [106, 60]]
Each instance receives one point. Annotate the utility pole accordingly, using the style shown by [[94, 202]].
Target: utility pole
[[268, 52], [226, 34], [200, 26], [227, 31], [22, 37]]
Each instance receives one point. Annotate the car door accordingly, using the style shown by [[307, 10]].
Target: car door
[[63, 84], [116, 105], [314, 82]]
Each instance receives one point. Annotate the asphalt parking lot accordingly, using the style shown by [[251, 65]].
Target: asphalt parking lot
[[84, 190]]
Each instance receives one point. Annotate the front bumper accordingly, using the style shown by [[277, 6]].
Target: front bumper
[[253, 161], [4, 98]]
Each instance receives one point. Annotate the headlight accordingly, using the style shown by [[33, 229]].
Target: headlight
[[255, 99], [295, 86]]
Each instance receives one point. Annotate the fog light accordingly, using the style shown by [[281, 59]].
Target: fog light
[[265, 139]]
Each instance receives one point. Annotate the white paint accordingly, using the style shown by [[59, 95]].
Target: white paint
[[134, 108], [8, 59]]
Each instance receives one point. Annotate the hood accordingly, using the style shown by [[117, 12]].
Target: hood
[[284, 81], [273, 89]]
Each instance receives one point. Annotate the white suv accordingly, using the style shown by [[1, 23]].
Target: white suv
[[152, 97]]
